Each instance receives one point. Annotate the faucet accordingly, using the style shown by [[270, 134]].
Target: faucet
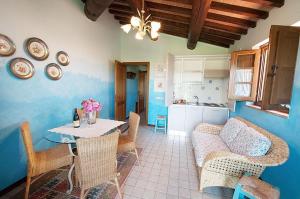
[[197, 98]]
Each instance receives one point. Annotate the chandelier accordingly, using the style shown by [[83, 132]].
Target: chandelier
[[142, 25]]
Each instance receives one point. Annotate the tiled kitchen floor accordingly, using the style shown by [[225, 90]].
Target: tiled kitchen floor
[[167, 170]]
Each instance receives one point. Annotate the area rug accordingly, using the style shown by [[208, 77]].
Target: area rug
[[55, 184]]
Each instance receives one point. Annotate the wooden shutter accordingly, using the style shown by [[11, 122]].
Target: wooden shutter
[[284, 42], [244, 73]]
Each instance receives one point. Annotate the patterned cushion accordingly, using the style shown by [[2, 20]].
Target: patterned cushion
[[250, 142], [205, 143], [231, 130]]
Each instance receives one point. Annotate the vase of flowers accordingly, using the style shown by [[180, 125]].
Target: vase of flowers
[[90, 108]]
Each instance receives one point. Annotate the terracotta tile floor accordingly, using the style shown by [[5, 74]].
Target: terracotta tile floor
[[167, 170]]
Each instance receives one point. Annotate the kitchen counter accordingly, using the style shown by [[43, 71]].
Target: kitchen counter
[[185, 117]]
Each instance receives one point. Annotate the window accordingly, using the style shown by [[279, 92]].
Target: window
[[269, 82], [264, 51], [244, 75], [280, 69]]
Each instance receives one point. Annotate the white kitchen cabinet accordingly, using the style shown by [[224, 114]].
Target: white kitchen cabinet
[[193, 117], [176, 118], [184, 118], [215, 115]]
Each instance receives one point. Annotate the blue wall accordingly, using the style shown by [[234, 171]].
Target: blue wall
[[286, 176], [45, 104], [131, 91], [156, 104]]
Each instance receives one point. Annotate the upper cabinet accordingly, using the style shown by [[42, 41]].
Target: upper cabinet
[[244, 73], [192, 70], [217, 67]]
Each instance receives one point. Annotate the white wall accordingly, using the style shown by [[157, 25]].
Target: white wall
[[286, 15]]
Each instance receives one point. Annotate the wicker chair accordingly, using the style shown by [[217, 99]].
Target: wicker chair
[[42, 162], [127, 142], [225, 168], [96, 162]]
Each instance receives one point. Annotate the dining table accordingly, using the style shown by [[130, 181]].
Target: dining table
[[67, 134]]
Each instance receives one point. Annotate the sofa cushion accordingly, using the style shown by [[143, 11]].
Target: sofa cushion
[[205, 143], [249, 142], [231, 130]]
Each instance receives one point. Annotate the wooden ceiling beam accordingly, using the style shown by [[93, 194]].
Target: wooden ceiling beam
[[216, 38], [172, 9], [121, 2], [249, 12], [170, 17], [234, 20], [135, 5], [268, 3], [188, 15], [214, 43], [241, 28], [94, 8], [235, 30], [221, 33], [171, 3], [199, 13], [122, 8], [164, 24], [165, 30]]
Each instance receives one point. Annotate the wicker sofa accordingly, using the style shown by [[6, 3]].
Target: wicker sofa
[[218, 166]]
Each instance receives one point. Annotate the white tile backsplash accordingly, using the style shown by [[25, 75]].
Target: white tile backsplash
[[212, 90]]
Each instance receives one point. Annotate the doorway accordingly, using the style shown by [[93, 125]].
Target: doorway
[[131, 89]]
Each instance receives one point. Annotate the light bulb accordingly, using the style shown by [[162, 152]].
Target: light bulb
[[126, 28], [154, 34], [135, 21], [155, 26], [139, 35]]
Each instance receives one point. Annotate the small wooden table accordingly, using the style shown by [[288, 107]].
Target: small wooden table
[[67, 134]]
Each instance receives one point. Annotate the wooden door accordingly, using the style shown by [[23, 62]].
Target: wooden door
[[120, 91], [141, 91], [284, 42], [244, 73]]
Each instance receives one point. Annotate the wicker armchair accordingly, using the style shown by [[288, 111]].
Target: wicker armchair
[[96, 162], [225, 168], [42, 162], [127, 143]]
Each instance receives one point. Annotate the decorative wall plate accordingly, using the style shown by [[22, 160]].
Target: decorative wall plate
[[53, 71], [62, 58], [37, 48], [7, 46], [21, 68]]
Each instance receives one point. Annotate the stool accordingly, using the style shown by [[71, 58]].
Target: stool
[[253, 188], [161, 119]]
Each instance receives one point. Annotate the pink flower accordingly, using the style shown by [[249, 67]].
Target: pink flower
[[91, 105]]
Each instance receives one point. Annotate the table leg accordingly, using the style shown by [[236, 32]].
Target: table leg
[[70, 179]]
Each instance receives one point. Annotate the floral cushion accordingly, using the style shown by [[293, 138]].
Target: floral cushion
[[231, 130], [249, 142], [205, 143]]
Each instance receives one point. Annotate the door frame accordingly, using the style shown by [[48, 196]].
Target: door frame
[[147, 64]]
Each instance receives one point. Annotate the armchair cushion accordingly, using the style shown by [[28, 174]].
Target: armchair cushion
[[249, 142], [231, 130], [205, 143]]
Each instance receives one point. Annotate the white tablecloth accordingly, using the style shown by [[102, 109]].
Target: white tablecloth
[[101, 127]]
